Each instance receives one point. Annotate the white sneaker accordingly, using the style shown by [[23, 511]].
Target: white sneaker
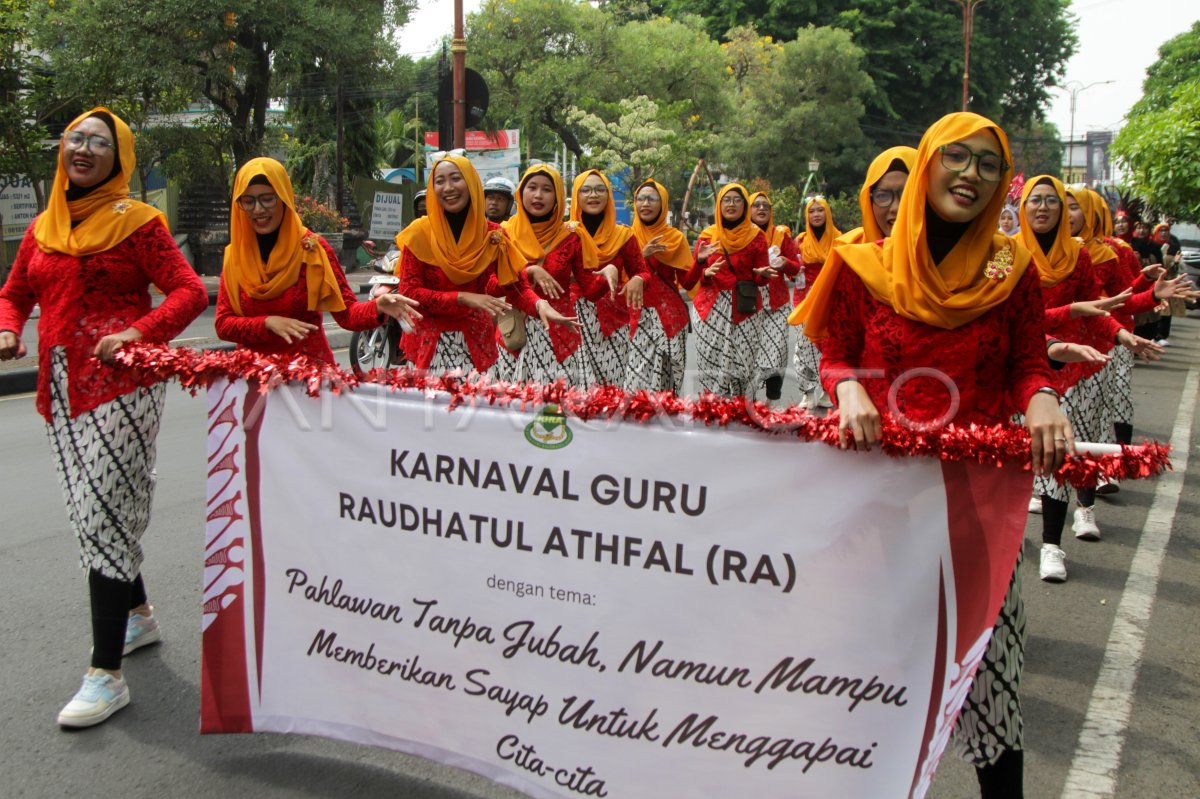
[[1085, 524], [1052, 567], [823, 400], [1108, 486], [806, 401], [141, 631], [1035, 504], [99, 697]]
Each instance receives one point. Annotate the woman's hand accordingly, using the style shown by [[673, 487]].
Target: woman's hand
[[402, 309], [1144, 348], [543, 282], [11, 346], [549, 316], [653, 247], [858, 416], [612, 276], [1068, 352], [707, 250], [1100, 307], [1050, 435], [766, 272], [633, 292], [492, 306], [289, 329], [1180, 287], [107, 347], [715, 266], [1153, 271]]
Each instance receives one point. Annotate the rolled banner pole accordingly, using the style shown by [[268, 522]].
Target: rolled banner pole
[[1092, 448]]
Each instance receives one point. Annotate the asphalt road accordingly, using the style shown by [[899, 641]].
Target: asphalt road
[[152, 749]]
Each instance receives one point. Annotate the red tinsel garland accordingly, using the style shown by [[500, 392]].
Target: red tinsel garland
[[994, 444]]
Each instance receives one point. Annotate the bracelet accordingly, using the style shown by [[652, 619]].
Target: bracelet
[[1050, 391]]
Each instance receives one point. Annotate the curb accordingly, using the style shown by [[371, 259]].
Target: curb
[[24, 381]]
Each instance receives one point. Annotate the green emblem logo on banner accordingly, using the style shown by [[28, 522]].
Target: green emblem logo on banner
[[549, 430]]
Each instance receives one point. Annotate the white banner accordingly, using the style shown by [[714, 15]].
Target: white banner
[[604, 609]]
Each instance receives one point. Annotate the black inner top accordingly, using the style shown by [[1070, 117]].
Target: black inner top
[[940, 235], [457, 220]]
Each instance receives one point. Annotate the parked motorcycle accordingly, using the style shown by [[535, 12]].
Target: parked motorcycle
[[380, 346]]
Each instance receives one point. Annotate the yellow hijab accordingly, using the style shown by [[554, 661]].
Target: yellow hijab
[[109, 215], [530, 241], [775, 233], [812, 249], [431, 240], [1057, 265], [609, 237], [678, 254], [1090, 234], [902, 274], [295, 249], [875, 172], [740, 235]]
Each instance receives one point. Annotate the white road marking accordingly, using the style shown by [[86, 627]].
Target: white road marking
[[1093, 773]]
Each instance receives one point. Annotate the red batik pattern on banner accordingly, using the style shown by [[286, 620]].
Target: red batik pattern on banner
[[224, 689]]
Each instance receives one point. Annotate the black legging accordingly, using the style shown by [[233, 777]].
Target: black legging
[[111, 602], [1003, 779]]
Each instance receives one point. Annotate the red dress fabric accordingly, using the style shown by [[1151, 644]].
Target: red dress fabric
[[249, 330], [83, 299], [565, 265], [1096, 331], [990, 367], [739, 266], [438, 298], [1127, 273], [613, 312], [662, 294]]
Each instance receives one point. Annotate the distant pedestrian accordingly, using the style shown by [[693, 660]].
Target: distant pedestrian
[[88, 262]]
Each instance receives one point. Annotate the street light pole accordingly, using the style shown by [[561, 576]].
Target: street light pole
[[968, 7], [1076, 88], [458, 47]]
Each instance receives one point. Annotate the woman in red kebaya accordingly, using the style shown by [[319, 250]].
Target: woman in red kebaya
[[459, 267], [785, 263], [605, 323], [814, 243], [559, 258], [949, 293], [278, 276], [731, 264], [658, 348], [88, 262]]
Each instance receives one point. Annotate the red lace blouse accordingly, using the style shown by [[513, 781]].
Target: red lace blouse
[[739, 266], [981, 372], [86, 298], [613, 312], [249, 330], [565, 265], [1097, 331]]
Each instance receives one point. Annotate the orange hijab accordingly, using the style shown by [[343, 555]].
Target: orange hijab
[[815, 250], [295, 249], [432, 241], [737, 237], [879, 167], [901, 273], [1090, 233], [1057, 265], [109, 215], [678, 254], [775, 233], [530, 241], [610, 237]]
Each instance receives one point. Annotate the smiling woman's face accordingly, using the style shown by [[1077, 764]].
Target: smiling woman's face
[[90, 164], [962, 196], [450, 187]]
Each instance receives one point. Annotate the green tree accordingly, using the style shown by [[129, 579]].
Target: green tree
[[636, 142], [1037, 149], [28, 101], [1160, 143], [795, 101]]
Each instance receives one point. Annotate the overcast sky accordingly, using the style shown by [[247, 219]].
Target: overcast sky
[[1118, 39]]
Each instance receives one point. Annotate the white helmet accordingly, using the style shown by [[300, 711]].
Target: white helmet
[[500, 185]]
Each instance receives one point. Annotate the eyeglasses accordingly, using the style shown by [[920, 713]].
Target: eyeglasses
[[96, 144], [268, 201], [587, 191], [958, 158], [733, 199], [884, 198], [643, 199], [761, 206], [1038, 200]]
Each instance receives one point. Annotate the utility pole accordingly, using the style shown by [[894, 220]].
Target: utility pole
[[1074, 87], [338, 156], [458, 47]]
